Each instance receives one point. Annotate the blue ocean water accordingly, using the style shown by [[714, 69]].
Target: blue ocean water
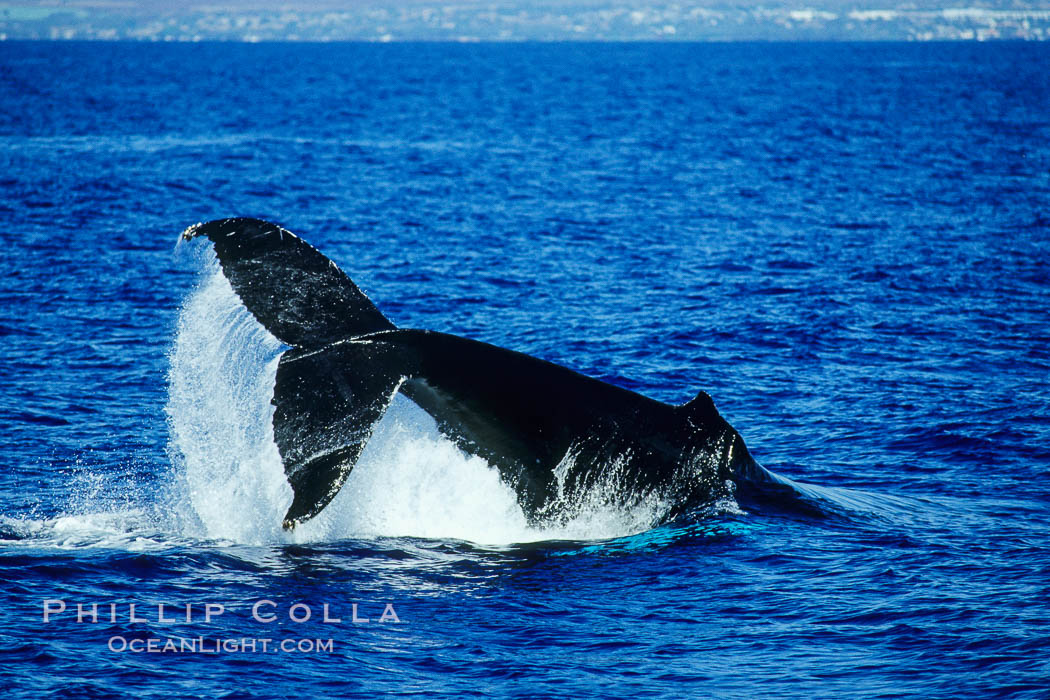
[[845, 245]]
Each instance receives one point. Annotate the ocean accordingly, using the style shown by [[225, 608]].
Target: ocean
[[845, 245]]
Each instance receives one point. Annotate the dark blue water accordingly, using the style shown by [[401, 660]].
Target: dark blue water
[[845, 245]]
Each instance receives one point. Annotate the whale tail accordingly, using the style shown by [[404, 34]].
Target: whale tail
[[307, 302], [521, 414]]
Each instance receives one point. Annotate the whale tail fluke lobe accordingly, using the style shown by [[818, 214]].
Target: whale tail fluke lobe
[[292, 289], [325, 404]]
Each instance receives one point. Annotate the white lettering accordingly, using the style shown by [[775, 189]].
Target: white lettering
[[261, 618], [81, 612], [211, 609], [389, 615], [327, 618], [160, 615], [131, 616], [50, 610], [301, 606]]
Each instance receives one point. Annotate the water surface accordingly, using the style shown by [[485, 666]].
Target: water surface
[[845, 245]]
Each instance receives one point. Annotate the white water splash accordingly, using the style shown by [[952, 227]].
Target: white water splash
[[222, 369], [409, 480]]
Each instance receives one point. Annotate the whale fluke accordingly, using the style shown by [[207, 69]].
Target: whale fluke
[[552, 433]]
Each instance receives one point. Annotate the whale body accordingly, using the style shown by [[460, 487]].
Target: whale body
[[552, 433]]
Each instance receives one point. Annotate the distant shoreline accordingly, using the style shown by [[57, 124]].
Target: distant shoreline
[[511, 42], [562, 21]]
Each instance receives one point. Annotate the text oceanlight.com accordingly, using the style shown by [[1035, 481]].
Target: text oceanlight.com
[[233, 645]]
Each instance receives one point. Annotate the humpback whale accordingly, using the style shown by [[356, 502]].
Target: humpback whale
[[552, 433]]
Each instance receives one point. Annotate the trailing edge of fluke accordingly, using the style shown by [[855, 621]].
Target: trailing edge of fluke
[[525, 416]]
